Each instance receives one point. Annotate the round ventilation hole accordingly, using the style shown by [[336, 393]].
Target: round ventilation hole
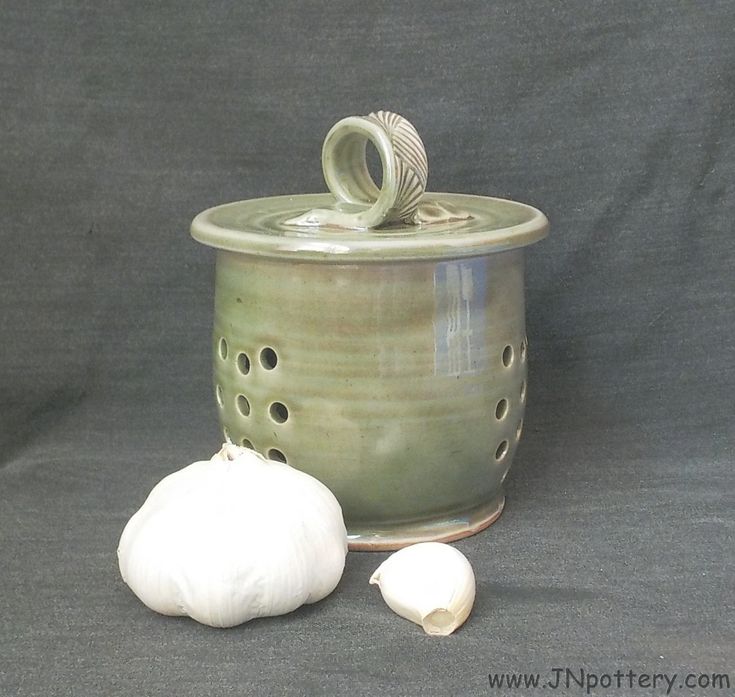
[[279, 412], [218, 393], [523, 391], [275, 454], [268, 358], [223, 348], [502, 450], [246, 444], [243, 406], [243, 363], [508, 356], [519, 429], [524, 349], [501, 409]]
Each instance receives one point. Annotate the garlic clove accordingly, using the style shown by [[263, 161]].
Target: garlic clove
[[431, 584]]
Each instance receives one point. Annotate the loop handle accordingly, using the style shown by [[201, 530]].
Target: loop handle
[[344, 162]]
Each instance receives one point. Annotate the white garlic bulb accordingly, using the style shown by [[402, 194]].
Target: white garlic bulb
[[233, 538], [430, 583]]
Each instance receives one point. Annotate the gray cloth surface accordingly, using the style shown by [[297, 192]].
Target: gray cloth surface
[[119, 122]]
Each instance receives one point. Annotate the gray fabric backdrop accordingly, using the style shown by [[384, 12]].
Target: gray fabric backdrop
[[120, 121]]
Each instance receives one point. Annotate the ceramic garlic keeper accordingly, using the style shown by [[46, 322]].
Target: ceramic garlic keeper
[[374, 337]]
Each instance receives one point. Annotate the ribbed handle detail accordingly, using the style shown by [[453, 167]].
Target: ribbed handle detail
[[362, 204]]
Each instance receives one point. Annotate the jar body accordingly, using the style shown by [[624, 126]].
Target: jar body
[[400, 385]]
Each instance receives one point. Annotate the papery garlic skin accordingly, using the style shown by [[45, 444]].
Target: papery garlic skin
[[430, 583], [233, 538]]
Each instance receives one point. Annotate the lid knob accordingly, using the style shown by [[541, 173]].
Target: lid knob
[[361, 203]]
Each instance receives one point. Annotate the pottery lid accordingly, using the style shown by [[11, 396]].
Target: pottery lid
[[359, 221]]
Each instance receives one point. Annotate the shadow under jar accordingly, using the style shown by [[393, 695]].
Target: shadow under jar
[[383, 352]]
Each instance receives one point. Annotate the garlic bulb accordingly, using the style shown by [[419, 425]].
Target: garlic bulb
[[431, 584], [233, 538]]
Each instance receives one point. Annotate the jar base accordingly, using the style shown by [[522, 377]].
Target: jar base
[[377, 539]]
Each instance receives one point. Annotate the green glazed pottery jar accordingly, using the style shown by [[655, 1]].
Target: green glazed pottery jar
[[375, 337]]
